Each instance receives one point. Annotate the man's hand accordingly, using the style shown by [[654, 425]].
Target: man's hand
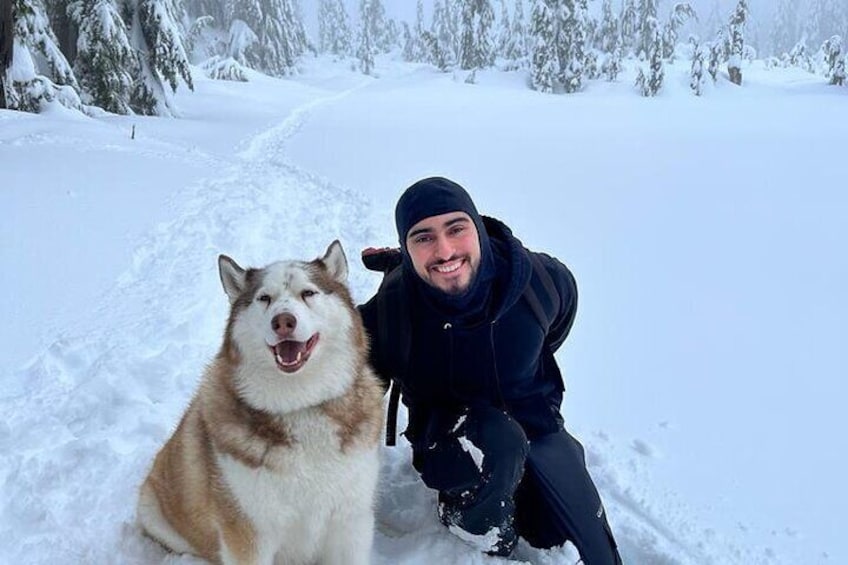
[[381, 259]]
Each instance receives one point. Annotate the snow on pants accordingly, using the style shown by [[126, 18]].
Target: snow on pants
[[537, 489]]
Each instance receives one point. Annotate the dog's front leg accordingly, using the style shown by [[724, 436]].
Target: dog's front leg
[[349, 539]]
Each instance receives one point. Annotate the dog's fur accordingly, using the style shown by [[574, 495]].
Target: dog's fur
[[276, 458]]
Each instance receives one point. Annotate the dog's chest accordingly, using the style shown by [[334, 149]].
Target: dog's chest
[[302, 483]]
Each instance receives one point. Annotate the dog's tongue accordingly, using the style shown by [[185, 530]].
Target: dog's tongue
[[288, 351]]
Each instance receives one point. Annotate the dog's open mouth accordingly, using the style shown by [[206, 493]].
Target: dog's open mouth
[[291, 355]]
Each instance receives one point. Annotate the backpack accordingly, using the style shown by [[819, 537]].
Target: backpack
[[395, 330]]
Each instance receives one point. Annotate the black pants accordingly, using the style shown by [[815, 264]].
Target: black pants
[[490, 476]]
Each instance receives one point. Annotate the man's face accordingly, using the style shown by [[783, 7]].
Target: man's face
[[445, 251]]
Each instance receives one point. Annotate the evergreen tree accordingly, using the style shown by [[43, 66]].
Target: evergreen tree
[[612, 65], [334, 28], [784, 32], [476, 51], [515, 51], [106, 62], [834, 60], [737, 41], [417, 50], [544, 63], [571, 43], [629, 26], [504, 31], [647, 10], [697, 76], [445, 29], [266, 35], [38, 73], [825, 19], [368, 21], [650, 84], [680, 14], [6, 29], [608, 37], [717, 54]]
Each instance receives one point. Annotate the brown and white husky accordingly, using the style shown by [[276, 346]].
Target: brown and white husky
[[276, 458]]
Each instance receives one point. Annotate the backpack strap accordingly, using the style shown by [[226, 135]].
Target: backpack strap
[[395, 331], [549, 289]]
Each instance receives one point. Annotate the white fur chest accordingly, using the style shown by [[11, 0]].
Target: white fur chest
[[307, 490]]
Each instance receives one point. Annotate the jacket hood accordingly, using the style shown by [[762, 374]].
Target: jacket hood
[[512, 264]]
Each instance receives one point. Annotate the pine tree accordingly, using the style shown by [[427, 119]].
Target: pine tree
[[834, 60], [6, 29], [515, 51], [444, 28], [106, 62], [334, 28], [572, 44], [717, 54], [544, 62], [504, 31], [476, 51], [367, 49], [629, 26], [650, 84], [647, 10], [680, 14], [737, 41], [784, 32], [697, 77], [611, 66], [39, 73], [416, 50], [608, 30], [825, 19], [266, 35]]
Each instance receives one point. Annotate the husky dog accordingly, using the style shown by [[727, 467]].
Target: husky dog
[[276, 458]]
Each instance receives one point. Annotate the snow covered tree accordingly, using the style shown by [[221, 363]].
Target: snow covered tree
[[515, 51], [544, 64], [717, 54], [647, 10], [737, 41], [697, 75], [650, 84], [476, 49], [504, 31], [368, 21], [106, 62], [445, 28], [334, 28], [825, 19], [680, 14], [267, 35], [629, 26], [784, 32], [611, 66], [835, 60], [608, 38], [6, 29], [571, 43], [38, 73]]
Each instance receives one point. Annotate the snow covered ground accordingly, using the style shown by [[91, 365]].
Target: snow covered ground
[[705, 372]]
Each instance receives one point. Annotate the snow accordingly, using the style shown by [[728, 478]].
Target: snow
[[705, 370]]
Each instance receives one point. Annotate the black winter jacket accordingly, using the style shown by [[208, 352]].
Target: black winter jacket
[[505, 360]]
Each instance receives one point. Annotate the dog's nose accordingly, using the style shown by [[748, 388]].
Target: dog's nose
[[284, 324]]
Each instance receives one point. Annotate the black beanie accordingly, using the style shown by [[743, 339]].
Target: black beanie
[[431, 197]]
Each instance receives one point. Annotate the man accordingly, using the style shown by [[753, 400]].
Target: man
[[467, 327]]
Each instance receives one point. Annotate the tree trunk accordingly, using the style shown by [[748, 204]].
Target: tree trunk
[[735, 75], [6, 28]]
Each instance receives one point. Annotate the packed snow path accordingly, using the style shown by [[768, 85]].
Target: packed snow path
[[82, 423]]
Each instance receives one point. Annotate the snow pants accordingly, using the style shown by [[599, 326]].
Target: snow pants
[[493, 482]]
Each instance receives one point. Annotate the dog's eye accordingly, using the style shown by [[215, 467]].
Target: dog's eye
[[266, 298], [307, 294]]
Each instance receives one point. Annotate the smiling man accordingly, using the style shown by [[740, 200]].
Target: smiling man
[[465, 325]]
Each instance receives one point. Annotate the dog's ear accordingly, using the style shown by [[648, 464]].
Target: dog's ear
[[232, 277], [336, 262]]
